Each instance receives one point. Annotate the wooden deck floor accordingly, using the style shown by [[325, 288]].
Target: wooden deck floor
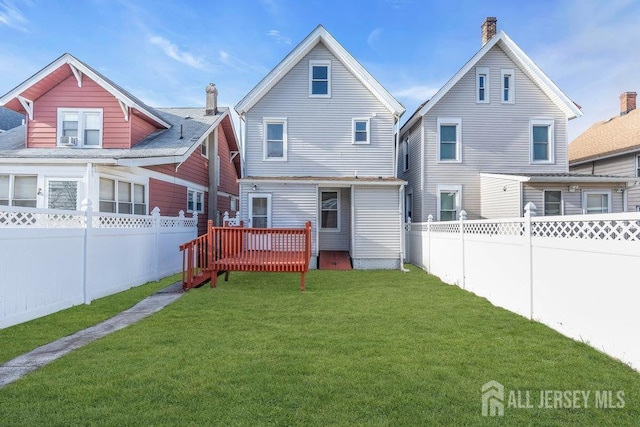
[[334, 260]]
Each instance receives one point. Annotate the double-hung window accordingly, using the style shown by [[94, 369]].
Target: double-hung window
[[119, 196], [275, 139], [195, 201], [448, 202], [408, 206], [330, 210], [18, 190], [595, 202], [79, 127], [552, 202], [542, 147], [405, 153], [638, 166], [361, 131], [508, 86], [482, 85], [449, 139], [320, 79]]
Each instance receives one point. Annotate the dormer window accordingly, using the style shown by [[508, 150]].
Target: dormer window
[[482, 85], [508, 87], [320, 79], [79, 127]]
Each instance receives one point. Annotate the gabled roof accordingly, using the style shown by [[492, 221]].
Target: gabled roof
[[9, 119], [526, 65], [618, 135], [319, 35], [42, 81]]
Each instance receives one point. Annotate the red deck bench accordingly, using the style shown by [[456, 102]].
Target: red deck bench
[[226, 249]]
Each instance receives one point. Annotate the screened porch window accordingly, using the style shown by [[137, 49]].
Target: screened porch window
[[18, 190], [552, 202], [117, 196]]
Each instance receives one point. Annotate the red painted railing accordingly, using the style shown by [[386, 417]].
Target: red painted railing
[[246, 249]]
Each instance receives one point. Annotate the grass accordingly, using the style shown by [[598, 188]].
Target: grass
[[357, 348]]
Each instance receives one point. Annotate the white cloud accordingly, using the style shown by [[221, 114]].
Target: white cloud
[[172, 51], [11, 16], [279, 38], [373, 37], [419, 93], [231, 61]]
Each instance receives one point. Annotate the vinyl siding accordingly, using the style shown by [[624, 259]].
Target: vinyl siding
[[194, 169], [377, 223], [624, 165], [140, 129], [292, 205], [572, 202], [228, 173], [499, 198], [333, 240], [415, 172], [495, 136], [320, 129], [171, 199]]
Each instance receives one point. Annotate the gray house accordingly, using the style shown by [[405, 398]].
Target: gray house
[[612, 147], [319, 146], [494, 138]]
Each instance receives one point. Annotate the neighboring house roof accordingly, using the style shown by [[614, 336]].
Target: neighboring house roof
[[526, 64], [319, 35], [189, 128], [618, 135], [331, 180], [558, 177], [22, 96], [9, 119]]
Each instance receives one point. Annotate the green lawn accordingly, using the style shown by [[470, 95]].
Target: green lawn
[[357, 348]]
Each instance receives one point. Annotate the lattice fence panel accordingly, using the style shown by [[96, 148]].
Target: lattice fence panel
[[628, 230], [495, 228], [107, 221], [445, 227], [33, 219]]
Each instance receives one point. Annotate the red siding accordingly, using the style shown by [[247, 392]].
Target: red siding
[[140, 129], [171, 199], [228, 174], [195, 169]]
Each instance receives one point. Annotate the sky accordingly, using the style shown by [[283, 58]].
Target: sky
[[166, 52]]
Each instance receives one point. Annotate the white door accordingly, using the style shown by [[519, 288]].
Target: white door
[[62, 194], [259, 217]]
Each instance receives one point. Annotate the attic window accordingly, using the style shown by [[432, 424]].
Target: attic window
[[482, 85], [508, 86], [320, 79], [79, 127]]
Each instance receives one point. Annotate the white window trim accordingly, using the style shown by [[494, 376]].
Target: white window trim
[[444, 188], [353, 130], [322, 63], [204, 148], [11, 195], [458, 123], [487, 92], [195, 192], [274, 120], [512, 86], [330, 190], [408, 195], [250, 197], [552, 151], [561, 200], [406, 159], [78, 181], [80, 112], [130, 179], [638, 166], [585, 193]]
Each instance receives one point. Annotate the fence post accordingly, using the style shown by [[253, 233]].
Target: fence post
[[87, 208], [529, 212], [463, 218], [429, 221], [155, 213]]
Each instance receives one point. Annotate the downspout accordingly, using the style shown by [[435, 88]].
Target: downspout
[[625, 200], [396, 148], [402, 229]]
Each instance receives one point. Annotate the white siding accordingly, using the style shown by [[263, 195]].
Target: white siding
[[495, 136], [377, 223], [500, 198], [338, 240], [572, 201], [320, 129], [415, 172]]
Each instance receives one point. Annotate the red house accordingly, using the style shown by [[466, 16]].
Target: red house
[[85, 137]]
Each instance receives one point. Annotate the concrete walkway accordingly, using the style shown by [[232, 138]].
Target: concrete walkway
[[16, 368]]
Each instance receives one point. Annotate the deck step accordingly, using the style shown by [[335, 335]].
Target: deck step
[[334, 260]]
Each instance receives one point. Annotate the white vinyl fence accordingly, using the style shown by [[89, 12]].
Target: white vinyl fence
[[53, 259], [577, 274]]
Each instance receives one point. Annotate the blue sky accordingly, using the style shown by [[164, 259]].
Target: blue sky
[[166, 52]]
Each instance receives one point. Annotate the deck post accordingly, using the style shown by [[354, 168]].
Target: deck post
[[210, 249]]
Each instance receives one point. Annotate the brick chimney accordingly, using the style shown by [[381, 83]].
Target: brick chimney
[[489, 27], [627, 102], [212, 100]]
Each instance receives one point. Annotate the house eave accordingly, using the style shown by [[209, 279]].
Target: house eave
[[582, 178], [325, 181], [56, 160], [624, 152]]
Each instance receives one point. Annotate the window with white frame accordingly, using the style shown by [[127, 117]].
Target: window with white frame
[[204, 148], [596, 201], [552, 202], [449, 139], [320, 79], [79, 127], [408, 206], [234, 203], [508, 86], [18, 190], [218, 171], [329, 210], [405, 153], [482, 85], [120, 196], [638, 166], [449, 197], [361, 131], [542, 146], [275, 139], [195, 201]]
